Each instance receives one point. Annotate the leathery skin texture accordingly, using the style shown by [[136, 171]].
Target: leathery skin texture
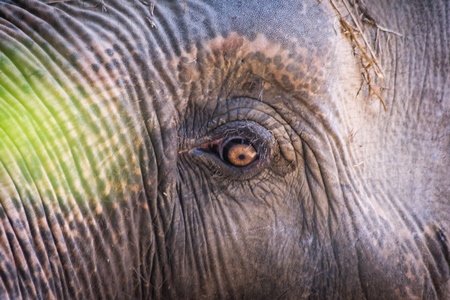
[[117, 120]]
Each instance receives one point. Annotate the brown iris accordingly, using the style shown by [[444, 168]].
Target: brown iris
[[239, 152]]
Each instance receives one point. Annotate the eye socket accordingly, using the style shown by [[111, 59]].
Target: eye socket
[[238, 152]]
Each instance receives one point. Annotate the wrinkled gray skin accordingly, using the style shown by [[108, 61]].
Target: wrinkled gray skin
[[110, 186]]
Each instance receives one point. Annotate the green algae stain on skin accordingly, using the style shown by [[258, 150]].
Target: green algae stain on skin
[[19, 150], [61, 138], [34, 151]]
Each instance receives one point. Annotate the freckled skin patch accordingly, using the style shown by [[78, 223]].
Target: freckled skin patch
[[259, 57]]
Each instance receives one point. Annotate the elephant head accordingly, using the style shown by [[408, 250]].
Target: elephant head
[[224, 149]]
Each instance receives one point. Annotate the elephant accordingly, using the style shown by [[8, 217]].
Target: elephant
[[294, 149]]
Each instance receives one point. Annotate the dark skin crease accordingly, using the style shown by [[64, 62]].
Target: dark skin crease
[[189, 150]]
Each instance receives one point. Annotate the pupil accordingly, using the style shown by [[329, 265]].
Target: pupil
[[241, 156]]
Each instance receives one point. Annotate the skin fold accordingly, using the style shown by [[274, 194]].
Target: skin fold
[[120, 122]]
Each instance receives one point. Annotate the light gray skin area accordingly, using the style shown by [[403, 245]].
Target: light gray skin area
[[113, 116]]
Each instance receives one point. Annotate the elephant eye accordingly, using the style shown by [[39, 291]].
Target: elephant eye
[[238, 152]]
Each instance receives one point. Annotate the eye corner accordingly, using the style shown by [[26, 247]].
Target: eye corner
[[210, 147]]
